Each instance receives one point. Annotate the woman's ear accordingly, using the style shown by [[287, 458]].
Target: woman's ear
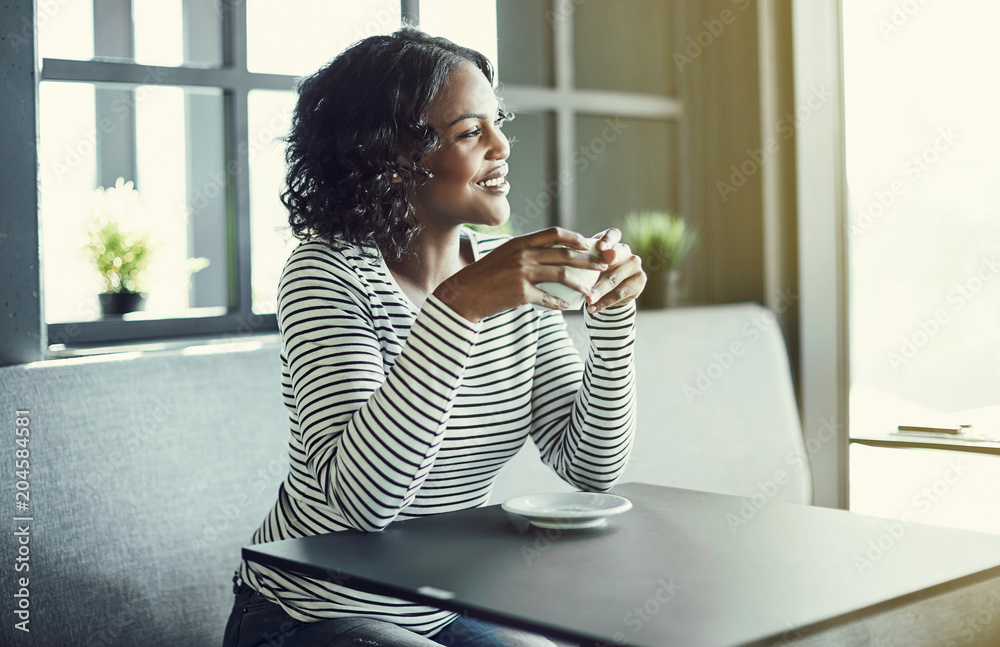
[[403, 166], [408, 164]]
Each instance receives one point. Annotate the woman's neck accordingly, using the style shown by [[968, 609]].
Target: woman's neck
[[437, 255]]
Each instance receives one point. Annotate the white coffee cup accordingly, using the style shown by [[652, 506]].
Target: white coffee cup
[[584, 277]]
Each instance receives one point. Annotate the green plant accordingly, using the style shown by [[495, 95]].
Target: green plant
[[118, 249], [662, 240], [505, 229]]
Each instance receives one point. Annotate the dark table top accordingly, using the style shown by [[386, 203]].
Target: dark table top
[[681, 568]]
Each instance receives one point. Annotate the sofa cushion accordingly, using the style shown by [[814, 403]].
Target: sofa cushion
[[148, 473], [716, 408]]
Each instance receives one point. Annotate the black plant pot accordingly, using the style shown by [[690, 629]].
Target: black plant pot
[[661, 291], [654, 295], [115, 304]]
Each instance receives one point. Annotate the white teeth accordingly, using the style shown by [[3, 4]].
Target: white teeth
[[497, 181]]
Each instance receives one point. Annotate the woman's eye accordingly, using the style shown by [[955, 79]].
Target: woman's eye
[[475, 132]]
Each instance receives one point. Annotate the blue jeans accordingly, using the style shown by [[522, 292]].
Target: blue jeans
[[257, 622]]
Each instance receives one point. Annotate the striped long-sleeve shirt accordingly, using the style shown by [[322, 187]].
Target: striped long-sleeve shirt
[[399, 413]]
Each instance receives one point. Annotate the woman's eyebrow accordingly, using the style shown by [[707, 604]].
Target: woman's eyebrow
[[470, 115]]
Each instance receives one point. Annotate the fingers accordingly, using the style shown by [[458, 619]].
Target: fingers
[[619, 284], [616, 255], [570, 277], [557, 255], [557, 236], [542, 298], [570, 257], [608, 238]]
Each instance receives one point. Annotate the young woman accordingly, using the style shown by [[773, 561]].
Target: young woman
[[419, 355]]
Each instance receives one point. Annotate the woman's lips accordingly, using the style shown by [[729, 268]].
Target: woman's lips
[[496, 182], [498, 185]]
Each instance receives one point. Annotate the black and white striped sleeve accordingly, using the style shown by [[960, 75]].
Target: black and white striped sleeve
[[370, 438], [584, 416]]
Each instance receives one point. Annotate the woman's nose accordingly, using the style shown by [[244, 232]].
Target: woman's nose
[[500, 145]]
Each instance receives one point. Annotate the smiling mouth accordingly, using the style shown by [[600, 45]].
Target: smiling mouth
[[496, 180], [493, 182]]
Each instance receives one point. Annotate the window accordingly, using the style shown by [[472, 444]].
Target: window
[[922, 142], [187, 100]]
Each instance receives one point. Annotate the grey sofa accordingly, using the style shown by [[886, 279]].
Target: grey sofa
[[142, 490], [148, 471]]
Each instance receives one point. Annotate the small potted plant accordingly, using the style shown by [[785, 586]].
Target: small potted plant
[[663, 241], [118, 248]]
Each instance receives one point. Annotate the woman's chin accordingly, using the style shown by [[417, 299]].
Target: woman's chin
[[491, 220]]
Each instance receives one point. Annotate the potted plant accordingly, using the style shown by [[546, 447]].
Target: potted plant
[[118, 248], [663, 241]]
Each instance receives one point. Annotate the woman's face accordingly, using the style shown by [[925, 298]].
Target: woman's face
[[469, 166]]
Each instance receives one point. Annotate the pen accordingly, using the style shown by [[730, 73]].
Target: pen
[[932, 430]]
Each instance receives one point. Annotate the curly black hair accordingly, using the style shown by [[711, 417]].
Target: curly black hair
[[354, 118]]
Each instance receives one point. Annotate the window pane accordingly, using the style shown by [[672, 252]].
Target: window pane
[[299, 36], [534, 193], [163, 32], [469, 23], [67, 176], [66, 30], [271, 240], [525, 51], [924, 239], [178, 32], [623, 50], [158, 32], [177, 167], [623, 165], [180, 162]]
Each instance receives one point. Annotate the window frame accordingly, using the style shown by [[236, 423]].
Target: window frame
[[822, 262], [235, 82]]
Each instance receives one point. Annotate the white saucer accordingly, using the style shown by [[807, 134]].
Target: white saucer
[[567, 510]]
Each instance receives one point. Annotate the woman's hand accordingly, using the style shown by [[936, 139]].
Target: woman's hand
[[624, 279], [507, 277]]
